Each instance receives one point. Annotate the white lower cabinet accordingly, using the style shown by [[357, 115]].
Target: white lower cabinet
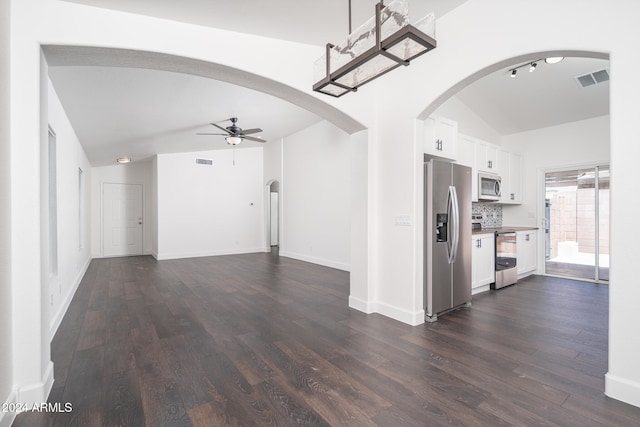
[[483, 262], [526, 243]]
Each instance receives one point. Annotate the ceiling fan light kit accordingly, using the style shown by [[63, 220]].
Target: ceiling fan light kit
[[233, 140], [234, 134], [381, 44]]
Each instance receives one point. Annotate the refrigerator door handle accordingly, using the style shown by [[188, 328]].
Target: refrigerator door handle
[[454, 223]]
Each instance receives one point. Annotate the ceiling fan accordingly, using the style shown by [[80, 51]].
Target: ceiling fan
[[234, 134]]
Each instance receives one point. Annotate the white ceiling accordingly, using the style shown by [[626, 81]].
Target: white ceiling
[[548, 96], [313, 22], [139, 112]]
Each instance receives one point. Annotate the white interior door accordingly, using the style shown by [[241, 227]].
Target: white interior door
[[274, 219], [122, 219]]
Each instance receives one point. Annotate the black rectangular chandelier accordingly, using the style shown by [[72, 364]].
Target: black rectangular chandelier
[[378, 46]]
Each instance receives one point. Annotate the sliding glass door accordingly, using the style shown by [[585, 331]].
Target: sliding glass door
[[577, 223]]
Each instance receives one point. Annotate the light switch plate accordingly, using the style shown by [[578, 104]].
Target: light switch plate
[[403, 220]]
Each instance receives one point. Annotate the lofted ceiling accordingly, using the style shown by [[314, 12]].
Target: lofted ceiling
[[549, 96], [141, 112], [304, 21]]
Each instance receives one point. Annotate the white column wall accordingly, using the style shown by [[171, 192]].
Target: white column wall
[[316, 191], [6, 363], [130, 173]]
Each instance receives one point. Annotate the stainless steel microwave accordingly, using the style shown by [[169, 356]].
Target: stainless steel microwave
[[488, 187]]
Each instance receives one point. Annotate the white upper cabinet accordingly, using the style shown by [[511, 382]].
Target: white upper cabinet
[[486, 157], [440, 136], [515, 178], [511, 174]]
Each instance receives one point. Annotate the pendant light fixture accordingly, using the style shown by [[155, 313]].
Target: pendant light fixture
[[381, 44]]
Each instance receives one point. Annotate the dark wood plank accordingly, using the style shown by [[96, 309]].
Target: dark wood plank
[[257, 339]]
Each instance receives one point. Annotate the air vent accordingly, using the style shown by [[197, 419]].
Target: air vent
[[593, 78], [208, 162]]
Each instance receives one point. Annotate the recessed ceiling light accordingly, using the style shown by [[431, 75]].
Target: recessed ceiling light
[[513, 73], [123, 159], [554, 59], [533, 66]]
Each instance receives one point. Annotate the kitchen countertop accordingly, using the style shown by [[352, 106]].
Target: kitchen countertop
[[502, 229]]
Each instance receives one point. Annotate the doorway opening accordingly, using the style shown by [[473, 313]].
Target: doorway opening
[[273, 216], [577, 223]]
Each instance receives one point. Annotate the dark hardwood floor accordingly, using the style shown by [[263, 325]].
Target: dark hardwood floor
[[260, 340]]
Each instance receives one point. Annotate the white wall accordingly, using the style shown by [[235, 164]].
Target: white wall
[[469, 123], [573, 144], [6, 365], [73, 256], [210, 210], [273, 161], [129, 173], [316, 192]]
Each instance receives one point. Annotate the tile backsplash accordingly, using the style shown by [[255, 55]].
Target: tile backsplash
[[491, 214]]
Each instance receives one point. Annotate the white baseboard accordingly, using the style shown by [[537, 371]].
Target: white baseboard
[[57, 319], [622, 389], [6, 418], [361, 305], [154, 254], [314, 260], [411, 318], [181, 255], [396, 313], [39, 392]]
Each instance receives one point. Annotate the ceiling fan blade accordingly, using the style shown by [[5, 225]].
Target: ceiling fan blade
[[221, 128], [252, 138], [220, 134], [250, 131]]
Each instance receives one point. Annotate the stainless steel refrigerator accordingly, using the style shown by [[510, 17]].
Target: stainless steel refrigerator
[[447, 243]]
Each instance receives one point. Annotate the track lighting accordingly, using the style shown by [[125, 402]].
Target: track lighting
[[533, 64]]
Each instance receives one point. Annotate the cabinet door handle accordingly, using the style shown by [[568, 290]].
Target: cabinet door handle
[[513, 196], [526, 237]]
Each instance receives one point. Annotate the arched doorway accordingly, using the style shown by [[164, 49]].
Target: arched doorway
[[272, 216]]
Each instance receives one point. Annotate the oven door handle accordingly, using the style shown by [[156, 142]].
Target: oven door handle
[[454, 223]]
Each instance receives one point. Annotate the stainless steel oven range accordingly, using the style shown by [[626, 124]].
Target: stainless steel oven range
[[506, 257]]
